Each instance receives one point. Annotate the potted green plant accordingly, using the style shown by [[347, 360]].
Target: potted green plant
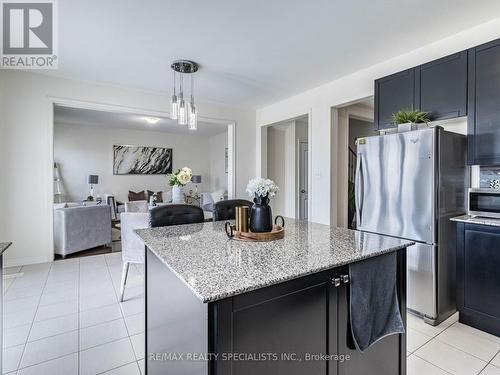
[[408, 120]]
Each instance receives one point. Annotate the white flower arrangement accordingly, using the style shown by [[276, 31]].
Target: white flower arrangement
[[181, 177], [262, 187]]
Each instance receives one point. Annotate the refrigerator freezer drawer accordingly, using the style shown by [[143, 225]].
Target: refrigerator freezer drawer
[[421, 279]]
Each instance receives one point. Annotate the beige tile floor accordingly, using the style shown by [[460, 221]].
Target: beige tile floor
[[451, 348], [64, 318]]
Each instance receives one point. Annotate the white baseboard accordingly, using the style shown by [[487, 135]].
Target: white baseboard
[[16, 262]]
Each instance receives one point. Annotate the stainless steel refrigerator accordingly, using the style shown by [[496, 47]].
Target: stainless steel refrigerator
[[409, 185]]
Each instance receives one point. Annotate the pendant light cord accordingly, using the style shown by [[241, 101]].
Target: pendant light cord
[[174, 82], [192, 89]]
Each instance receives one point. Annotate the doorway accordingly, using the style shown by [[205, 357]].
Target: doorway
[[287, 148], [85, 139], [355, 120]]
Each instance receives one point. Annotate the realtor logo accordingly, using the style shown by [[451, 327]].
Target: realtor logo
[[28, 35]]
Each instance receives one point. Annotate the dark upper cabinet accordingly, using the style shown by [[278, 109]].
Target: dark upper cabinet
[[478, 279], [393, 93], [441, 87], [484, 104]]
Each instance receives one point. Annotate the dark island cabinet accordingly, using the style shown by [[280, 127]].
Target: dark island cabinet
[[382, 357], [297, 327], [441, 87], [478, 276], [393, 93], [286, 323], [484, 104], [301, 323]]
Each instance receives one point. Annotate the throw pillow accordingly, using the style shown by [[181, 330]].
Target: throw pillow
[[133, 196], [159, 196]]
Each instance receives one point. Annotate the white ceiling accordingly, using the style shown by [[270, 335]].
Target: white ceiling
[[252, 53], [86, 117]]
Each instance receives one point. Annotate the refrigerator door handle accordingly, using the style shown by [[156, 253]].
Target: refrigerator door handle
[[358, 190]]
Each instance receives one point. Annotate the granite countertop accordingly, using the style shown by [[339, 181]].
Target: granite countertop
[[4, 246], [477, 220], [215, 267]]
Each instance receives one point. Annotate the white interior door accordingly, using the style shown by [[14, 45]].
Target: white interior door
[[303, 173]]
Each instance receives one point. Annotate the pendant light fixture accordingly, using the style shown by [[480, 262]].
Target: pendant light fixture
[[184, 112], [193, 118], [182, 106], [174, 105]]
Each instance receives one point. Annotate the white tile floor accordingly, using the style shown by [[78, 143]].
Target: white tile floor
[[451, 348], [65, 318]]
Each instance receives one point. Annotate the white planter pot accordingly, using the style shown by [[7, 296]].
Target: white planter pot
[[409, 126], [178, 195]]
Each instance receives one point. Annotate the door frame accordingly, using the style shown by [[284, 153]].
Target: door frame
[[299, 156], [262, 146], [54, 101], [343, 155]]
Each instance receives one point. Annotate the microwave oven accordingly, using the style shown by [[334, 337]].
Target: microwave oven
[[484, 203]]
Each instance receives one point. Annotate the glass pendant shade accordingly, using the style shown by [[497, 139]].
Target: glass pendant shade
[[193, 118], [174, 108], [182, 113]]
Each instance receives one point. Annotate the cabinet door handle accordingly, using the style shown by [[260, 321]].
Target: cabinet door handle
[[336, 281], [345, 279]]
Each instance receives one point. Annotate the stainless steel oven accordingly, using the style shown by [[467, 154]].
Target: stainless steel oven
[[484, 203]]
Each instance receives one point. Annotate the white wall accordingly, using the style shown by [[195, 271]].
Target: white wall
[[218, 176], [318, 103], [82, 150], [26, 152], [282, 164], [276, 165]]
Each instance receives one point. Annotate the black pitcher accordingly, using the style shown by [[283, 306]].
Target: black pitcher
[[261, 216]]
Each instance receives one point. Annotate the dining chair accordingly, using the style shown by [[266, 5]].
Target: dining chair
[[159, 216], [225, 210], [175, 214]]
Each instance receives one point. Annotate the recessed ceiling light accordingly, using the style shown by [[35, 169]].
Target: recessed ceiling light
[[151, 120]]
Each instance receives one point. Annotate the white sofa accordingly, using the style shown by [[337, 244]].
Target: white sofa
[[80, 228]]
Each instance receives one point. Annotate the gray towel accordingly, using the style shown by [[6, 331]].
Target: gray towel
[[374, 307]]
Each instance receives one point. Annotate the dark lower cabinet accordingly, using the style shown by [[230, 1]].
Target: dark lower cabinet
[[287, 321], [380, 358], [285, 329], [441, 87], [484, 110], [393, 93], [478, 276]]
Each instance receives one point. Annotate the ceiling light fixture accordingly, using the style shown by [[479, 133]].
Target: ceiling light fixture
[[151, 120], [184, 112]]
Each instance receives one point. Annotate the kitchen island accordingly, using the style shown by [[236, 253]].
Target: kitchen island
[[220, 306]]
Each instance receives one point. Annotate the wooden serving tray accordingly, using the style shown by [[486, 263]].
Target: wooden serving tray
[[277, 233]]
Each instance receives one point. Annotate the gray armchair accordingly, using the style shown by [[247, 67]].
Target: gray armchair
[[81, 228]]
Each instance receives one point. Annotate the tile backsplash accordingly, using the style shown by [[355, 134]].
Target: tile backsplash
[[490, 177]]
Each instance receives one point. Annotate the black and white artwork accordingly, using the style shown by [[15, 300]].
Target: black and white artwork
[[141, 160]]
